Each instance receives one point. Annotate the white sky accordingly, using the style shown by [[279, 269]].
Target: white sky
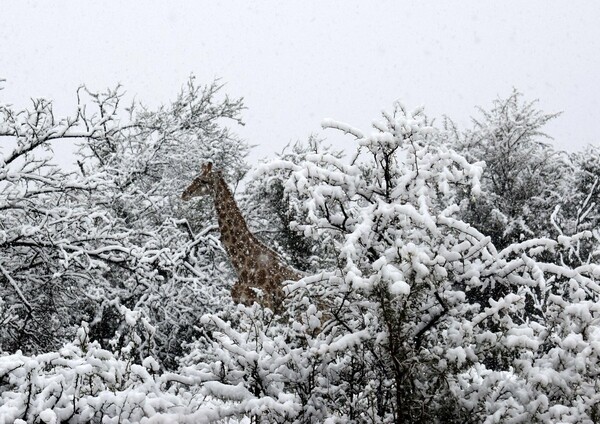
[[296, 62]]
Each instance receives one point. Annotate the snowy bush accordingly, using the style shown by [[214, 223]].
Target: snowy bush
[[80, 382]]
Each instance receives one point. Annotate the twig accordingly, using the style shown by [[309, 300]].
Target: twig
[[16, 287]]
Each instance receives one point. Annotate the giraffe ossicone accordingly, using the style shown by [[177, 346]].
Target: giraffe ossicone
[[257, 266]]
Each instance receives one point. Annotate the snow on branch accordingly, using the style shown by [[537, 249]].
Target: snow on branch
[[347, 129]]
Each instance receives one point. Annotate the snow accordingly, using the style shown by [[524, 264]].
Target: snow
[[48, 416], [401, 292]]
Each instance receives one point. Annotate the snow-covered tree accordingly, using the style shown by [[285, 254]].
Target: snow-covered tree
[[579, 209], [157, 152], [56, 248], [522, 175], [78, 246], [150, 159]]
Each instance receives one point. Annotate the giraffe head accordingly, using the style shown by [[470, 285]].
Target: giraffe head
[[202, 185]]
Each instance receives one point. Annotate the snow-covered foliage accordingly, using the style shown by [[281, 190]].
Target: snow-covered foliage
[[150, 159], [424, 320], [389, 215], [523, 174], [76, 246], [437, 288], [272, 211], [54, 240], [82, 382], [580, 209]]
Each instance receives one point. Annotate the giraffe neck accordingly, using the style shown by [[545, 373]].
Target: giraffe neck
[[235, 236]]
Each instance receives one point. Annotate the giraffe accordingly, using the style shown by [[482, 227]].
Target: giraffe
[[256, 266]]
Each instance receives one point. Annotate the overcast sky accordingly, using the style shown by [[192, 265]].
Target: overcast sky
[[297, 62]]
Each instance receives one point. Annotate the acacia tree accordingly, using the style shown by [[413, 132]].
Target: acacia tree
[[156, 152]]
